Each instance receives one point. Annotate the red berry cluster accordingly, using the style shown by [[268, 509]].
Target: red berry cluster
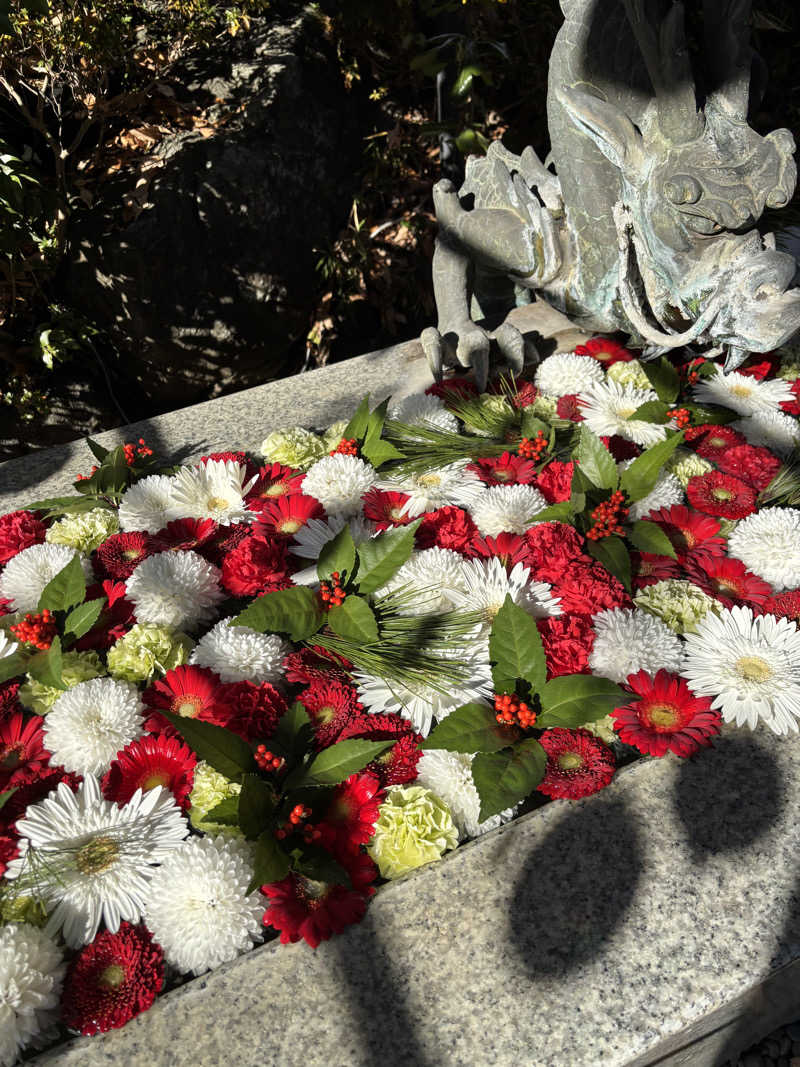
[[132, 451], [693, 372], [682, 417], [297, 816], [267, 760], [331, 593], [608, 517], [84, 477], [532, 449], [36, 630], [346, 447], [511, 711]]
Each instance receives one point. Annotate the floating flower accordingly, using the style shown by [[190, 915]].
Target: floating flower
[[91, 722], [429, 581], [287, 514], [253, 711], [31, 976], [331, 705], [578, 764], [76, 667], [26, 574], [604, 351], [119, 555], [727, 580], [209, 789], [689, 531], [783, 605], [753, 465], [486, 583], [424, 410], [607, 409], [271, 484], [567, 641], [22, 751], [451, 484], [768, 543], [177, 589], [449, 528], [297, 448], [681, 605], [398, 764], [629, 372], [239, 654], [773, 430], [629, 641], [351, 814], [257, 565], [507, 469], [84, 531], [191, 692], [145, 649], [385, 509], [666, 717], [414, 827], [182, 535], [711, 442]]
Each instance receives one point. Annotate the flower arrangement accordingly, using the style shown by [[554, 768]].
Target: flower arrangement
[[236, 694]]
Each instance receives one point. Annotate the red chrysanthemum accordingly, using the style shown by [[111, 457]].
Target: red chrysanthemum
[[19, 530], [254, 710], [620, 448], [754, 465], [604, 351], [223, 541], [716, 493], [783, 605], [507, 469], [331, 706], [578, 763], [509, 548], [9, 699], [710, 441], [648, 569], [554, 481], [191, 692], [150, 761], [34, 791], [273, 482], [689, 531], [114, 620], [256, 566], [314, 663], [567, 641], [728, 581], [184, 535], [288, 514], [351, 814], [448, 527], [398, 764], [452, 388], [112, 980], [22, 751], [569, 408], [119, 555], [586, 588], [667, 717]]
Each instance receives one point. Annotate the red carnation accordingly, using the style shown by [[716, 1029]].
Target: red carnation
[[667, 717], [19, 530], [452, 388], [256, 566], [313, 663], [567, 641], [183, 535], [112, 980], [119, 555], [554, 547], [764, 367], [620, 448], [398, 764], [569, 408], [783, 605], [728, 580], [192, 693], [34, 791], [288, 514], [148, 762], [254, 709], [716, 493], [689, 531], [9, 850], [554, 481], [754, 465], [22, 751], [385, 509], [604, 351], [585, 589], [223, 541], [448, 527], [331, 706], [273, 482], [711, 441], [351, 814], [578, 763], [507, 469], [649, 569], [509, 548]]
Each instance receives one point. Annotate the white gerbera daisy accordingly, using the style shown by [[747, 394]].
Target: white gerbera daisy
[[487, 583], [199, 909], [666, 492], [212, 490], [31, 975], [741, 392], [338, 482], [26, 574], [90, 859], [768, 543], [565, 374], [507, 508], [607, 408], [627, 641], [177, 589], [239, 654], [144, 506], [751, 666], [772, 429], [424, 410], [91, 722], [7, 646], [452, 484], [449, 775]]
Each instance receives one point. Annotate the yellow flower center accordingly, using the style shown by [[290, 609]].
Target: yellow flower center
[[216, 503], [626, 412], [289, 526], [97, 855], [753, 669], [131, 553], [395, 514], [662, 715], [187, 708], [741, 390], [113, 976], [502, 474], [570, 761], [428, 481], [722, 494], [326, 713], [155, 780]]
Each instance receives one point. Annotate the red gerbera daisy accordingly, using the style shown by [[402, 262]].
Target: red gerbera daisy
[[314, 663], [716, 493], [148, 762], [448, 527], [273, 482], [119, 555], [620, 448], [578, 763], [783, 605], [351, 814], [254, 709], [331, 706], [711, 441], [569, 408], [183, 535], [287, 514], [112, 980], [567, 641], [554, 481], [509, 548], [667, 717], [19, 530], [398, 764], [385, 509], [727, 580], [755, 465], [689, 531], [604, 351], [504, 470], [22, 751], [191, 692], [649, 569], [255, 566]]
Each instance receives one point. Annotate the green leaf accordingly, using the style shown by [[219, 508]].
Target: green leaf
[[664, 379], [381, 556], [463, 82], [354, 619], [65, 589], [710, 414], [45, 667], [377, 451], [338, 555], [342, 759], [114, 472], [270, 862], [224, 750], [357, 426], [595, 460], [292, 733], [471, 728], [97, 451], [296, 612], [574, 699], [71, 505], [640, 478], [226, 812], [256, 804], [81, 619], [649, 537], [11, 666], [5, 797], [531, 425], [612, 553], [560, 512], [314, 862], [515, 649], [651, 411], [505, 778]]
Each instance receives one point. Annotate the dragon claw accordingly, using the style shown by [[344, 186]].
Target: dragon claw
[[512, 346], [431, 341]]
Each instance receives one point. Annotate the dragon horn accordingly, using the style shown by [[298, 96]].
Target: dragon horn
[[729, 56]]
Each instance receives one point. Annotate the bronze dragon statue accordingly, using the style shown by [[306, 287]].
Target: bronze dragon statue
[[648, 225]]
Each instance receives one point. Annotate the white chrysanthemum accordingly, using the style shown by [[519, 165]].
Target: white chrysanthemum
[[751, 666], [424, 410], [144, 505], [199, 909], [666, 492], [177, 589], [741, 392], [507, 508], [768, 543], [31, 975], [430, 579], [487, 583], [91, 722], [627, 641], [449, 776], [89, 859], [7, 646], [239, 654], [452, 484], [771, 429], [338, 482], [607, 408], [565, 374], [26, 574], [212, 490]]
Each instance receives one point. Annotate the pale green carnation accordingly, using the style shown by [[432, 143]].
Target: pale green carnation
[[148, 648], [333, 435], [790, 366], [544, 407], [211, 788], [681, 605], [84, 532], [75, 667], [414, 827], [685, 465], [296, 448], [631, 373], [602, 728]]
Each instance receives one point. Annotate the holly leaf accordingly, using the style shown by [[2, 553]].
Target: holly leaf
[[354, 619], [559, 512], [295, 611], [11, 666], [651, 411], [664, 379], [114, 472], [575, 699], [709, 414], [81, 619], [357, 426], [340, 760], [377, 451], [65, 589], [45, 667], [381, 556], [471, 728], [270, 862], [595, 460], [515, 649], [640, 478], [338, 555], [505, 778], [224, 750], [291, 735], [649, 537], [5, 797], [97, 451], [315, 863], [612, 553], [256, 804]]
